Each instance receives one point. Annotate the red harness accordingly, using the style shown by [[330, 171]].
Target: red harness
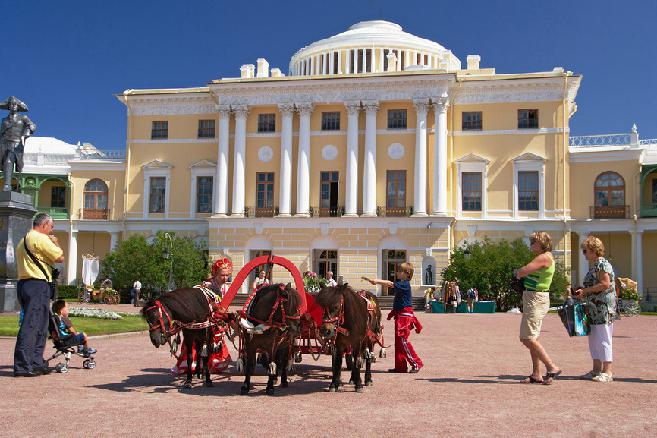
[[174, 325], [270, 320], [338, 321]]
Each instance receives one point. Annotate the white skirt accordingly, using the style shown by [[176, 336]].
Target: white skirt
[[600, 342]]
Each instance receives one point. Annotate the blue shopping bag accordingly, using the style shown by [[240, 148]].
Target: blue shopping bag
[[574, 318]]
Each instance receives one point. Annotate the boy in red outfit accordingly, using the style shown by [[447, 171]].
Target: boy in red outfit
[[405, 320]]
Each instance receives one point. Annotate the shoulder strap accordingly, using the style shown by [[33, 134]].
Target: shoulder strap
[[34, 259]]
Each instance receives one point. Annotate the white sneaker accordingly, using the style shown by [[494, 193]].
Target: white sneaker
[[590, 375], [603, 378]]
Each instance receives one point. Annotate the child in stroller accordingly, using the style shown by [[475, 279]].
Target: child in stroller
[[66, 338]]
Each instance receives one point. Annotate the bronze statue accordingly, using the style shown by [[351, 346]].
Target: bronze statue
[[14, 131]]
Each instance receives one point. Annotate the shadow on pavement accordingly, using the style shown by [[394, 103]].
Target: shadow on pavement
[[563, 377]]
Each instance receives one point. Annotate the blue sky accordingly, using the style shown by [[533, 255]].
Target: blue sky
[[67, 59]]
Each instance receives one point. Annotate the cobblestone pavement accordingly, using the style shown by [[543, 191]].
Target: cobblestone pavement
[[469, 387]]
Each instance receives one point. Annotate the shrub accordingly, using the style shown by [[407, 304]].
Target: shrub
[[488, 266], [67, 291]]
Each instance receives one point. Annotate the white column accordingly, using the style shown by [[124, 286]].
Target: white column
[[347, 61], [285, 185], [351, 192], [303, 164], [331, 63], [221, 176], [637, 260], [114, 240], [369, 171], [440, 156], [339, 62], [72, 258], [355, 60], [239, 160], [381, 55], [372, 60], [583, 264], [420, 173]]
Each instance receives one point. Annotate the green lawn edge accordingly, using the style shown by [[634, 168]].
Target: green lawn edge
[[91, 326]]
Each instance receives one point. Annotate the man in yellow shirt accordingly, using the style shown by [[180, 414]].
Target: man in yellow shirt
[[34, 276]]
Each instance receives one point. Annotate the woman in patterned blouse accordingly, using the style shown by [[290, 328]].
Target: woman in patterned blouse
[[600, 297]]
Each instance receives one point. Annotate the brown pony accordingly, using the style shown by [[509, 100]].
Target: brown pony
[[275, 307], [348, 322]]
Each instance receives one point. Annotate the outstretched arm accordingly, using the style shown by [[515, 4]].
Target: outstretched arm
[[376, 281]]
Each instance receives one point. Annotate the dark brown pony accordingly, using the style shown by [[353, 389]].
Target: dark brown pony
[[347, 322], [275, 306], [186, 306]]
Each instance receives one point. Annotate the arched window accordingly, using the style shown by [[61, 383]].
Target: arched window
[[95, 199], [609, 195]]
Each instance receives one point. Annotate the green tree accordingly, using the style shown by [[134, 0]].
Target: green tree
[[137, 259], [488, 266]]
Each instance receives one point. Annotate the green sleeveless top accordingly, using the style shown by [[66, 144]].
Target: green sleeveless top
[[539, 280]]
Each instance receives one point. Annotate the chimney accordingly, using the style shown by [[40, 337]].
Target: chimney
[[473, 62], [276, 73], [392, 61], [247, 71], [263, 68]]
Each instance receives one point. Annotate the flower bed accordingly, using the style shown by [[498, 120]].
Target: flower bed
[[89, 312]]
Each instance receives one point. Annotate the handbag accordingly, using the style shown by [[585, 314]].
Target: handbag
[[55, 272]]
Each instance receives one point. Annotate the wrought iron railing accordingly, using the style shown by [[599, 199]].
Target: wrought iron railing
[[260, 212], [384, 211], [95, 213], [609, 212], [327, 211], [601, 140], [649, 209], [54, 212], [648, 141]]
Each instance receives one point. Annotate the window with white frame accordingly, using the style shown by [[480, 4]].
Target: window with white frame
[[472, 183], [529, 184], [201, 195], [204, 194], [157, 179], [471, 191], [157, 194]]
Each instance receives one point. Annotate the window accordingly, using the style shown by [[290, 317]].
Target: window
[[471, 121], [471, 191], [654, 191], [527, 119], [95, 199], [397, 119], [395, 192], [392, 258], [264, 194], [331, 121], [204, 194], [328, 194], [58, 197], [528, 191], [206, 129], [266, 122], [160, 130], [609, 190], [156, 195], [326, 260]]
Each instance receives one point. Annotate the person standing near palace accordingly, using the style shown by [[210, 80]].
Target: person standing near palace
[[537, 278], [35, 254], [330, 281], [405, 320], [136, 290]]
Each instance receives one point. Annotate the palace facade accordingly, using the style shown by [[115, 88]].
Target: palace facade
[[377, 147]]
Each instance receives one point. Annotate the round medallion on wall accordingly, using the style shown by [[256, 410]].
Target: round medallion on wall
[[396, 151], [329, 152], [265, 154]]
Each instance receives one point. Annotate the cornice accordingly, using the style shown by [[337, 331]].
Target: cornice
[[515, 90], [171, 104]]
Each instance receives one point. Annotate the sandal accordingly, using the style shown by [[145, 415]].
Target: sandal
[[531, 379], [551, 376]]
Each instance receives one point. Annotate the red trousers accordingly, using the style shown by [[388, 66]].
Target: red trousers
[[405, 321]]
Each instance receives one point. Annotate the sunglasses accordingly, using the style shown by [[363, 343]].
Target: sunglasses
[[584, 251]]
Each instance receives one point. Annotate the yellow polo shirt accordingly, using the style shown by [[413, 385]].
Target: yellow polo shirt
[[43, 249]]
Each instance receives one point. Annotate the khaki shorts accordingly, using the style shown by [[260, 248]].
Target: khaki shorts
[[535, 306]]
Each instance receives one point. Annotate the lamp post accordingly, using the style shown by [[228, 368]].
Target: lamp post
[[168, 255]]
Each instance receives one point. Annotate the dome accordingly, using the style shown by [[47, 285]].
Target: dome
[[371, 47]]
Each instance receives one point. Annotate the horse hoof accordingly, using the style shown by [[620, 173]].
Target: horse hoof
[[244, 390], [208, 384], [369, 383], [350, 381], [359, 389], [187, 385], [269, 391]]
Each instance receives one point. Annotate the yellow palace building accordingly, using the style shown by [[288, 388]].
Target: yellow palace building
[[376, 147]]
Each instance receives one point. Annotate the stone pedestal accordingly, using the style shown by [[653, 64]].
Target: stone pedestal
[[16, 213]]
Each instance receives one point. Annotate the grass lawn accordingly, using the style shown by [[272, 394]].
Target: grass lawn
[[91, 326]]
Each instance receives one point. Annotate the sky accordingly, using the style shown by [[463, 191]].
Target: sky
[[67, 59]]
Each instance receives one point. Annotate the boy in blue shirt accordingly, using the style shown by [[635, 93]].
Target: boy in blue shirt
[[67, 332], [405, 320]]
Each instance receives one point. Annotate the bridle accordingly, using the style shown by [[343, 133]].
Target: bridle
[[337, 321], [162, 314]]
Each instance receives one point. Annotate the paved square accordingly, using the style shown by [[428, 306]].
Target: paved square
[[467, 388]]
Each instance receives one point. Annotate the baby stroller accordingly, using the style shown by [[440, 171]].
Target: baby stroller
[[66, 347]]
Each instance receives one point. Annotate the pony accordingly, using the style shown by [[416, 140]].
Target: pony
[[189, 310], [275, 310], [350, 319]]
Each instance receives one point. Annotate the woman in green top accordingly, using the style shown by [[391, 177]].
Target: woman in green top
[[537, 277]]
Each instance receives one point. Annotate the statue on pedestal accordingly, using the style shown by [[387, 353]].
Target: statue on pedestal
[[14, 131]]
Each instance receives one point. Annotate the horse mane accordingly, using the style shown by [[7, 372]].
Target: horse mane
[[186, 304], [265, 298], [355, 308]]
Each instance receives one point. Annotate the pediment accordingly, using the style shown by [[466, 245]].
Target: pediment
[[528, 156], [157, 164], [472, 158], [203, 164]]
